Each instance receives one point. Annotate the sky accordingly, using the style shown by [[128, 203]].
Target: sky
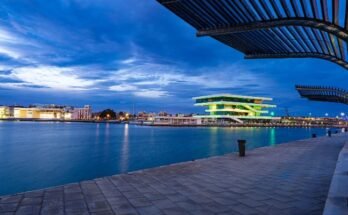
[[138, 56]]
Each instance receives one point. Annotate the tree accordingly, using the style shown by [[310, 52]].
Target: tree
[[107, 114]]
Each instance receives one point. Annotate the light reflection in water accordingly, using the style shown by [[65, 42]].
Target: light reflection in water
[[272, 137], [97, 133], [125, 149], [213, 140], [107, 133]]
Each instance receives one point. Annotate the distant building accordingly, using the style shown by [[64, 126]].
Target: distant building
[[50, 112], [84, 113], [176, 120], [45, 113], [235, 108], [5, 112]]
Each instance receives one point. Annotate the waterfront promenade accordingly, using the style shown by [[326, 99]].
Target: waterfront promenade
[[292, 178]]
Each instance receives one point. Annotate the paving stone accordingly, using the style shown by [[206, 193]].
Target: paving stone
[[108, 212], [149, 210], [76, 205], [73, 196], [8, 207], [140, 202], [125, 208], [163, 204], [31, 201], [175, 211], [152, 196], [28, 210], [52, 210], [98, 206], [11, 199]]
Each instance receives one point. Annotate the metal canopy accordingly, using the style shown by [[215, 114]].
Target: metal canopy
[[325, 94], [272, 28]]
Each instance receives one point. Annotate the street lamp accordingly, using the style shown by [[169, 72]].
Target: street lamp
[[342, 114], [326, 114]]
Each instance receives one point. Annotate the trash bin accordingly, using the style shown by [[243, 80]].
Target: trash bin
[[241, 147]]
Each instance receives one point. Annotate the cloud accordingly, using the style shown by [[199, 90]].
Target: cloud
[[123, 88], [51, 77], [151, 93], [151, 74]]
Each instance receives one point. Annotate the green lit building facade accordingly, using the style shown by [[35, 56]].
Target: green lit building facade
[[235, 108]]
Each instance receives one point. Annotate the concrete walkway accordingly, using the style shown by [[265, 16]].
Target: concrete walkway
[[290, 178]]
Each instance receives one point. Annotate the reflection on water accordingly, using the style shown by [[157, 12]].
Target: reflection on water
[[36, 155], [272, 137], [124, 151]]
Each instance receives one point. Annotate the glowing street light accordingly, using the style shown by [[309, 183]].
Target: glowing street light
[[342, 114], [326, 114]]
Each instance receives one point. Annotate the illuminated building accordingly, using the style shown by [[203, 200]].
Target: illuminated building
[[235, 108], [38, 113], [84, 113], [5, 112]]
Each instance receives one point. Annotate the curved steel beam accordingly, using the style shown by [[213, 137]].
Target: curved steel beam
[[319, 93], [307, 22], [327, 57]]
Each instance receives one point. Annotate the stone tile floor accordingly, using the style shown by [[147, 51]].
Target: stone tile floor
[[291, 178]]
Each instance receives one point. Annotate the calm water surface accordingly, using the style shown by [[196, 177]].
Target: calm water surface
[[37, 155]]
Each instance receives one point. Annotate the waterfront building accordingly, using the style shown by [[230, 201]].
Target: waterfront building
[[234, 108], [5, 112], [44, 113], [84, 113], [176, 120]]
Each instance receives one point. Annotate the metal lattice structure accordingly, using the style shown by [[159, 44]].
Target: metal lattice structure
[[325, 94], [272, 28]]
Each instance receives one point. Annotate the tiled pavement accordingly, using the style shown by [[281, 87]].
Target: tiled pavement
[[291, 178]]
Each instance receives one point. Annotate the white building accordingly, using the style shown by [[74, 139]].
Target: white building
[[84, 113]]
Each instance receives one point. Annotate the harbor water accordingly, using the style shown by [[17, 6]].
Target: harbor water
[[36, 155]]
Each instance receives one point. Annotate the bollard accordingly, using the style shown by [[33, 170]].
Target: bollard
[[345, 129], [314, 135], [329, 133], [241, 147], [336, 132]]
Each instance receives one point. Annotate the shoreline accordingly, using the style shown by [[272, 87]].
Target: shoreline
[[254, 125]]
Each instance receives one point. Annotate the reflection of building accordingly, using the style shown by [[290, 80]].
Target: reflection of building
[[84, 113], [5, 112], [235, 108]]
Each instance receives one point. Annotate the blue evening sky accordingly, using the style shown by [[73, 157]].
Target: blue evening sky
[[135, 53]]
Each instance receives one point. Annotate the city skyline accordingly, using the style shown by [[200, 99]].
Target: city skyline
[[108, 54]]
